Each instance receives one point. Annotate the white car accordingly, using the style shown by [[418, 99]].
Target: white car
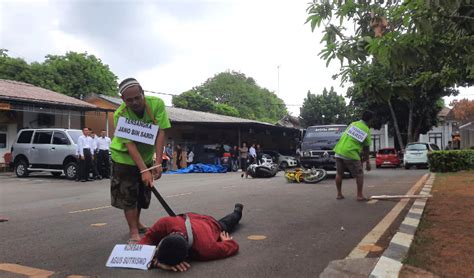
[[417, 154], [283, 161]]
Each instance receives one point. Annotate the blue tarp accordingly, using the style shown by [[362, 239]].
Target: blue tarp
[[199, 168]]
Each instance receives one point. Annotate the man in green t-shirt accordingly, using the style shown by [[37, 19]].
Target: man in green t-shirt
[[355, 141], [132, 177]]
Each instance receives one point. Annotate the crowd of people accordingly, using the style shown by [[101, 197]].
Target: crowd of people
[[93, 154]]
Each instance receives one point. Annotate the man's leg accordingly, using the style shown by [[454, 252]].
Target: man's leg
[[339, 176], [132, 217], [231, 220], [360, 185], [83, 169], [106, 160]]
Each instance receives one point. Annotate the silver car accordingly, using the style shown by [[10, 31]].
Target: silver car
[[47, 149]]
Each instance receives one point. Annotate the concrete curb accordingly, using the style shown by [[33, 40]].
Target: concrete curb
[[390, 263]]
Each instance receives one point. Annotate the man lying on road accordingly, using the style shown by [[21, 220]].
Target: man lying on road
[[193, 236]]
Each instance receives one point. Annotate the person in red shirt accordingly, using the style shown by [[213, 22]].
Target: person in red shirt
[[210, 239]]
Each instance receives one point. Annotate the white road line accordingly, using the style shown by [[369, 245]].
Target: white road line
[[180, 194], [91, 209]]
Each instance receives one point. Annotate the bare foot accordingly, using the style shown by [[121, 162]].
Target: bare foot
[[361, 199], [340, 197]]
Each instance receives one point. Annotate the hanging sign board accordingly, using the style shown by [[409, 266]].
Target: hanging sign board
[[136, 131], [135, 256], [357, 133]]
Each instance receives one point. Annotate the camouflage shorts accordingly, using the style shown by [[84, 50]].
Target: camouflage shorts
[[127, 189]]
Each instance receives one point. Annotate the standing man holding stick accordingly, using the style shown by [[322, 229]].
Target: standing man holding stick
[[355, 141], [133, 172]]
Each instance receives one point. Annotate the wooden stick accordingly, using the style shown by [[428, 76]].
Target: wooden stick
[[386, 197]]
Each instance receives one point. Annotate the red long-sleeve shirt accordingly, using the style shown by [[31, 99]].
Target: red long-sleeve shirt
[[206, 231]]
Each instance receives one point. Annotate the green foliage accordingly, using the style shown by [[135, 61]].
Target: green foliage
[[409, 53], [451, 161], [224, 109], [72, 74], [324, 109], [234, 94], [193, 101]]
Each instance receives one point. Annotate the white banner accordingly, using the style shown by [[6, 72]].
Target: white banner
[[136, 256], [357, 133], [137, 131]]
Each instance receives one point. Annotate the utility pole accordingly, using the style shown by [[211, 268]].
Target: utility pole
[[278, 80]]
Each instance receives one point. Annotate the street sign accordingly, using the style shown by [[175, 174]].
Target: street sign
[[135, 256]]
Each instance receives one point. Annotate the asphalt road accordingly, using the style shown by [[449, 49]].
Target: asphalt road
[[50, 222]]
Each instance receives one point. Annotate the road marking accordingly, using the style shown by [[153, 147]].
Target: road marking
[[91, 209], [373, 236], [98, 224], [231, 186], [256, 237], [26, 270], [180, 194], [371, 202], [77, 276]]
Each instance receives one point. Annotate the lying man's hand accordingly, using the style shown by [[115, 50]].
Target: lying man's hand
[[224, 236], [183, 266]]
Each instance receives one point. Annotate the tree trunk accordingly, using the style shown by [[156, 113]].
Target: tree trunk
[[395, 125], [410, 122]]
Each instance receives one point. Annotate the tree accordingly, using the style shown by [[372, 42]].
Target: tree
[[73, 74], [463, 110], [389, 56], [235, 94], [193, 101], [324, 109], [79, 74]]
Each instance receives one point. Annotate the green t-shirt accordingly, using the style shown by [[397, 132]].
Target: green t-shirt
[[350, 147], [118, 147]]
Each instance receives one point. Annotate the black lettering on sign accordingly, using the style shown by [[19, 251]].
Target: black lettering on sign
[[133, 247], [123, 129], [146, 135], [135, 132], [117, 260]]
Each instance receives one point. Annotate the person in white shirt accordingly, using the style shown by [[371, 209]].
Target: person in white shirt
[[252, 154], [93, 143], [190, 157], [85, 155], [103, 160]]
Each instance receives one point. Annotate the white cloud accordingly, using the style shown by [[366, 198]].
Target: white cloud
[[171, 46]]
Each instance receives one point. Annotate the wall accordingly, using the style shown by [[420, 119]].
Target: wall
[[96, 120], [10, 130], [30, 120]]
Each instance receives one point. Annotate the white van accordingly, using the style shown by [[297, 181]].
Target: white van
[[417, 154]]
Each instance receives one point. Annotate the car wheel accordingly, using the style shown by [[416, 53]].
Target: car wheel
[[21, 169], [283, 165], [56, 174], [407, 166], [70, 170], [377, 166]]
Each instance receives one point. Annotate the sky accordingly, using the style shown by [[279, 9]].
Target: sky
[[171, 46]]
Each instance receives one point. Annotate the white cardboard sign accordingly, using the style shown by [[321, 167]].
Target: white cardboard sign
[[137, 131], [357, 133], [135, 256]]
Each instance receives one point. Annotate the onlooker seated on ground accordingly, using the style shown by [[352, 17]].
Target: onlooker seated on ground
[[192, 236]]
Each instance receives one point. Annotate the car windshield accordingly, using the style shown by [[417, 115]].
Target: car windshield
[[417, 147], [74, 135], [386, 151], [324, 132]]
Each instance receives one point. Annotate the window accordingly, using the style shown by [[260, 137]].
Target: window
[[42, 137], [417, 147], [387, 151], [59, 138], [434, 147], [74, 135], [25, 137], [3, 140]]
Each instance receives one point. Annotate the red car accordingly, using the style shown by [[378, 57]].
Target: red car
[[387, 157]]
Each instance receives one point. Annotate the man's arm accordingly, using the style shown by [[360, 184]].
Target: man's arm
[[160, 143], [80, 147]]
